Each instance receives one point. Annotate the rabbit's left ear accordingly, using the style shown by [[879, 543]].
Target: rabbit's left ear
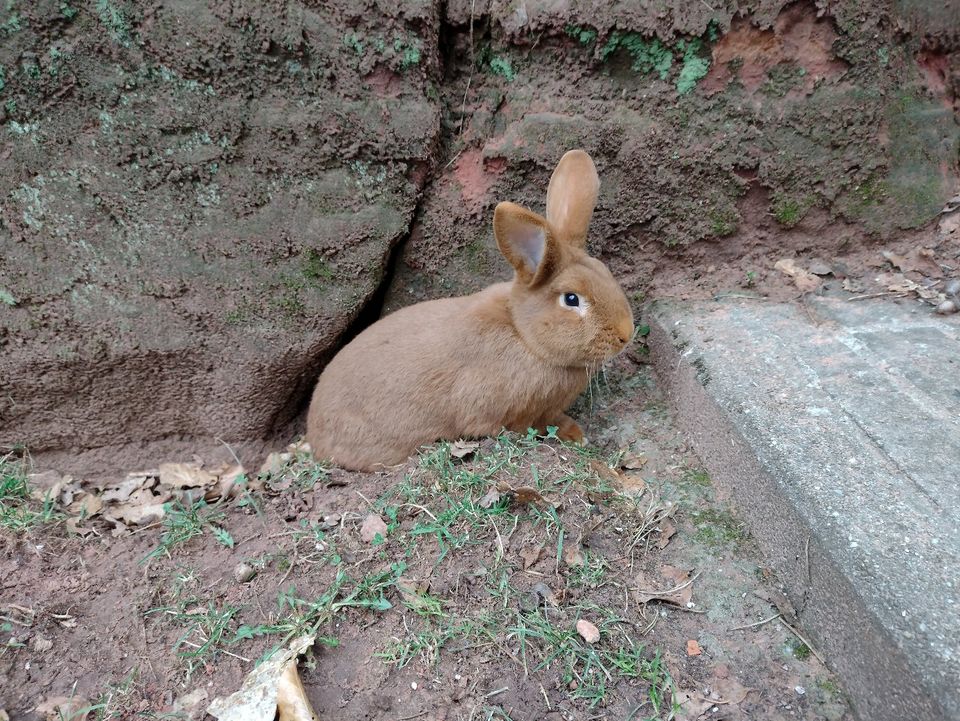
[[572, 195], [526, 240]]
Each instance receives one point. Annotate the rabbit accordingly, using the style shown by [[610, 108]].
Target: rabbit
[[513, 356]]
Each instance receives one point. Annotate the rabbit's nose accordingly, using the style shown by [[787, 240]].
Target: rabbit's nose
[[625, 330]]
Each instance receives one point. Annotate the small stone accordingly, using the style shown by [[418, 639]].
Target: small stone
[[413, 685], [947, 307], [589, 632], [800, 690], [952, 287], [244, 572]]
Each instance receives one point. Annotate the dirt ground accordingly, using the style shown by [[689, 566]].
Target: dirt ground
[[448, 589]]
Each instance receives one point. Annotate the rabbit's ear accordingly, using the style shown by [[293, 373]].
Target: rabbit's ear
[[571, 196], [526, 241]]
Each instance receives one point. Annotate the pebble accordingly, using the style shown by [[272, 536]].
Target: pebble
[[244, 572], [952, 287], [800, 690], [947, 307]]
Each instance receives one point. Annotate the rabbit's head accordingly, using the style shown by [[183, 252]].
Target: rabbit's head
[[567, 306]]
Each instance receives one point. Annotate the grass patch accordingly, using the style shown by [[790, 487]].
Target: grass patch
[[717, 528], [184, 521], [19, 512]]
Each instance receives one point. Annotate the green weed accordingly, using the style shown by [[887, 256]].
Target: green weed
[[582, 35], [502, 66], [183, 521], [18, 512], [717, 528], [114, 21]]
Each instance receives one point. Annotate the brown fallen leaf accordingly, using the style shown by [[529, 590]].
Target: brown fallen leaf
[[185, 475], [230, 483], [692, 705], [275, 463], [522, 494], [136, 514], [728, 690], [543, 591], [606, 473], [122, 491], [920, 260], [489, 499], [677, 590], [41, 644], [4, 716], [463, 449], [693, 648], [87, 506], [530, 555], [572, 555], [272, 690], [589, 632], [413, 592], [805, 281], [57, 708], [633, 461], [667, 529], [372, 527], [899, 283]]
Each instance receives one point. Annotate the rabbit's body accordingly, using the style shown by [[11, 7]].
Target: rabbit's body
[[514, 355], [454, 379]]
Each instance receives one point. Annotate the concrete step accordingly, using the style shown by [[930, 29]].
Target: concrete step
[[834, 426]]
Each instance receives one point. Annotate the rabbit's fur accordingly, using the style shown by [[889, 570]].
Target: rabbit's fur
[[514, 355]]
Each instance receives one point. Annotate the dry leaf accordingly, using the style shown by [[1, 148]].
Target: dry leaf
[[693, 648], [122, 491], [189, 705], [372, 527], [544, 591], [74, 527], [572, 555], [58, 708], [667, 529], [677, 590], [463, 449], [271, 690], [530, 555], [413, 592], [133, 514], [41, 644], [692, 705], [633, 461], [522, 494], [729, 691], [4, 716], [86, 506], [227, 485], [920, 260], [185, 475], [590, 633], [805, 281], [527, 494], [275, 463], [606, 473], [489, 499]]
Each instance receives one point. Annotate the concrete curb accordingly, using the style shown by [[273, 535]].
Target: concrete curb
[[879, 670]]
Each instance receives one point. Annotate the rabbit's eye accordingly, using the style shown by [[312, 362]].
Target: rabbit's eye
[[571, 300]]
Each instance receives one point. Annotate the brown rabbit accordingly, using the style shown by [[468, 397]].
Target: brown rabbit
[[515, 355]]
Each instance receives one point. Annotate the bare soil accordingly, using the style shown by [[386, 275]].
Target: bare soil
[[464, 607]]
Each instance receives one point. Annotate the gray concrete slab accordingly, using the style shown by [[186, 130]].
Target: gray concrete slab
[[835, 429]]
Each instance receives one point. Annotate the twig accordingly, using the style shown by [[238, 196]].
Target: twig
[[414, 505], [722, 296], [877, 295], [222, 650], [497, 692], [672, 590], [758, 623], [416, 715], [796, 633]]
